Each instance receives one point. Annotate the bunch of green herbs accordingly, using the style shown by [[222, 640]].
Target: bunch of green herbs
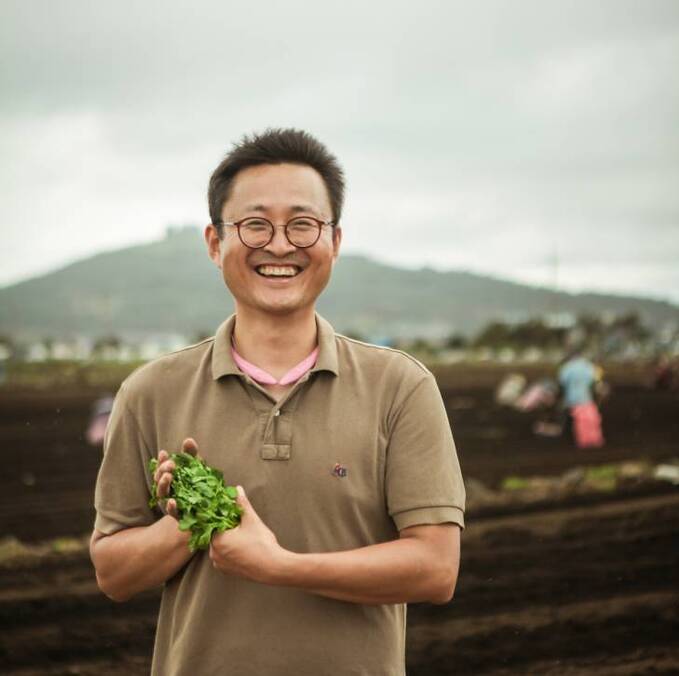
[[205, 504]]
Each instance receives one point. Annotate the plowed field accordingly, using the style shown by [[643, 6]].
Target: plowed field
[[585, 585]]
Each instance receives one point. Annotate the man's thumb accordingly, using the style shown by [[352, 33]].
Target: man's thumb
[[243, 501]]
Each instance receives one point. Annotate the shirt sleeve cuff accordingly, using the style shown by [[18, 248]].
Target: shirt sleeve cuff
[[108, 525], [428, 516]]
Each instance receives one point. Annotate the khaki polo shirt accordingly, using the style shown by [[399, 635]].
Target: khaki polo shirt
[[374, 411]]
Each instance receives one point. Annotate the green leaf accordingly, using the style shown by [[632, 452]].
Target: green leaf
[[187, 521], [205, 503]]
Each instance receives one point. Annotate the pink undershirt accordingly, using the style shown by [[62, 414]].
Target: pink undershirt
[[264, 378]]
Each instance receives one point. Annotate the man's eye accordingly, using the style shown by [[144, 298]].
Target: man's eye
[[256, 225], [302, 223]]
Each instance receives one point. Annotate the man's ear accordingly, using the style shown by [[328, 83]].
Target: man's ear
[[213, 244], [336, 240]]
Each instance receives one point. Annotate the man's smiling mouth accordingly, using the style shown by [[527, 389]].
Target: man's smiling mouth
[[278, 270]]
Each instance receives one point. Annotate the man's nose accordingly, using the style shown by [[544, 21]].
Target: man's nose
[[279, 244]]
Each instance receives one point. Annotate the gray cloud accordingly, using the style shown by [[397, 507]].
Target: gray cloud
[[481, 135]]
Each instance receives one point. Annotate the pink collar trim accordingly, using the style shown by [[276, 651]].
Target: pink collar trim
[[264, 378]]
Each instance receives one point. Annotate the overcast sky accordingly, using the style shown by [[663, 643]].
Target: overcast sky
[[495, 137]]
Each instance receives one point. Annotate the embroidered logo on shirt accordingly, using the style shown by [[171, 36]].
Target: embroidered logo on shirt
[[339, 471]]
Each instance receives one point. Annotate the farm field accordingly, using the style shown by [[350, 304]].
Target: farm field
[[583, 582]]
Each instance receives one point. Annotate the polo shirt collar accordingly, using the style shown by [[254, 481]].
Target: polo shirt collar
[[223, 363], [327, 347], [222, 359]]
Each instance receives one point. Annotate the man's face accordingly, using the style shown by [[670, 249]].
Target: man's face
[[277, 192]]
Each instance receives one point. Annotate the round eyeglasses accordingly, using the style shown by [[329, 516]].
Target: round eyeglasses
[[301, 231]]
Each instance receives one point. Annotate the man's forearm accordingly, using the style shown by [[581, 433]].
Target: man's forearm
[[136, 559], [401, 571]]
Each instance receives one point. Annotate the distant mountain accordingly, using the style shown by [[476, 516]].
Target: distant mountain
[[170, 286]]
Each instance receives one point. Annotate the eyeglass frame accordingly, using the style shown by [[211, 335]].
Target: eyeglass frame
[[238, 224]]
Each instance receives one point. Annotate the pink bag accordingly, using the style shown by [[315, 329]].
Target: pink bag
[[587, 426]]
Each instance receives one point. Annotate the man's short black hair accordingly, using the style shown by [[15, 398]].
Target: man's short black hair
[[276, 146]]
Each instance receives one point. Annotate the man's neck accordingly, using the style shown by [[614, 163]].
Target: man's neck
[[275, 343]]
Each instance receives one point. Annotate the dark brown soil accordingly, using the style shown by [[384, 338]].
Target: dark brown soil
[[582, 590], [583, 587]]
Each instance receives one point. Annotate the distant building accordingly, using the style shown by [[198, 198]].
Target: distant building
[[560, 320], [153, 348], [63, 351], [533, 354], [36, 352]]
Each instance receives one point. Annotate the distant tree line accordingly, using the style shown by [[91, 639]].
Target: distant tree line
[[603, 336]]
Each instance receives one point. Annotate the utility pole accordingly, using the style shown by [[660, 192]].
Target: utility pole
[[553, 296]]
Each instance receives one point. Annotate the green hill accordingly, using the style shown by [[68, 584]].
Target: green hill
[[171, 286]]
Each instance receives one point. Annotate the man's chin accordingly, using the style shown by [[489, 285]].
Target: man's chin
[[281, 306]]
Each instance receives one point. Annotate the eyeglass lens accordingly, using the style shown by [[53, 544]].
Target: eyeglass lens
[[301, 232]]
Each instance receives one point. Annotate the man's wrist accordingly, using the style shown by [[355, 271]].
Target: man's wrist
[[284, 568]]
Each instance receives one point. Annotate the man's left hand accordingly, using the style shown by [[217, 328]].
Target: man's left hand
[[250, 550]]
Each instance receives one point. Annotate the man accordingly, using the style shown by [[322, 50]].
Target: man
[[345, 465]]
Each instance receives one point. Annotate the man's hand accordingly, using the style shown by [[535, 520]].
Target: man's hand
[[250, 550], [163, 475]]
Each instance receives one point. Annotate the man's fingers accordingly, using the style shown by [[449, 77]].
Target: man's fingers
[[164, 485], [164, 474], [162, 457], [190, 446], [163, 468]]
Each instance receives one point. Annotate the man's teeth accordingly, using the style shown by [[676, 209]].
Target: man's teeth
[[278, 270]]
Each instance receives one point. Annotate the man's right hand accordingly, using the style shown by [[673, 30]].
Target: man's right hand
[[163, 475]]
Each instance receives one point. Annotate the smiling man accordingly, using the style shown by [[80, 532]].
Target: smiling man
[[348, 477]]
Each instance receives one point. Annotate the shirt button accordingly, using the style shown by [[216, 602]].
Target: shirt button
[[278, 412]]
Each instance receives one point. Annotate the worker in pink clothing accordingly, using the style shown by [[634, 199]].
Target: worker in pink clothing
[[577, 378]]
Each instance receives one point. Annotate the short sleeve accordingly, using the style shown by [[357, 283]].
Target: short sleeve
[[123, 484], [423, 479]]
